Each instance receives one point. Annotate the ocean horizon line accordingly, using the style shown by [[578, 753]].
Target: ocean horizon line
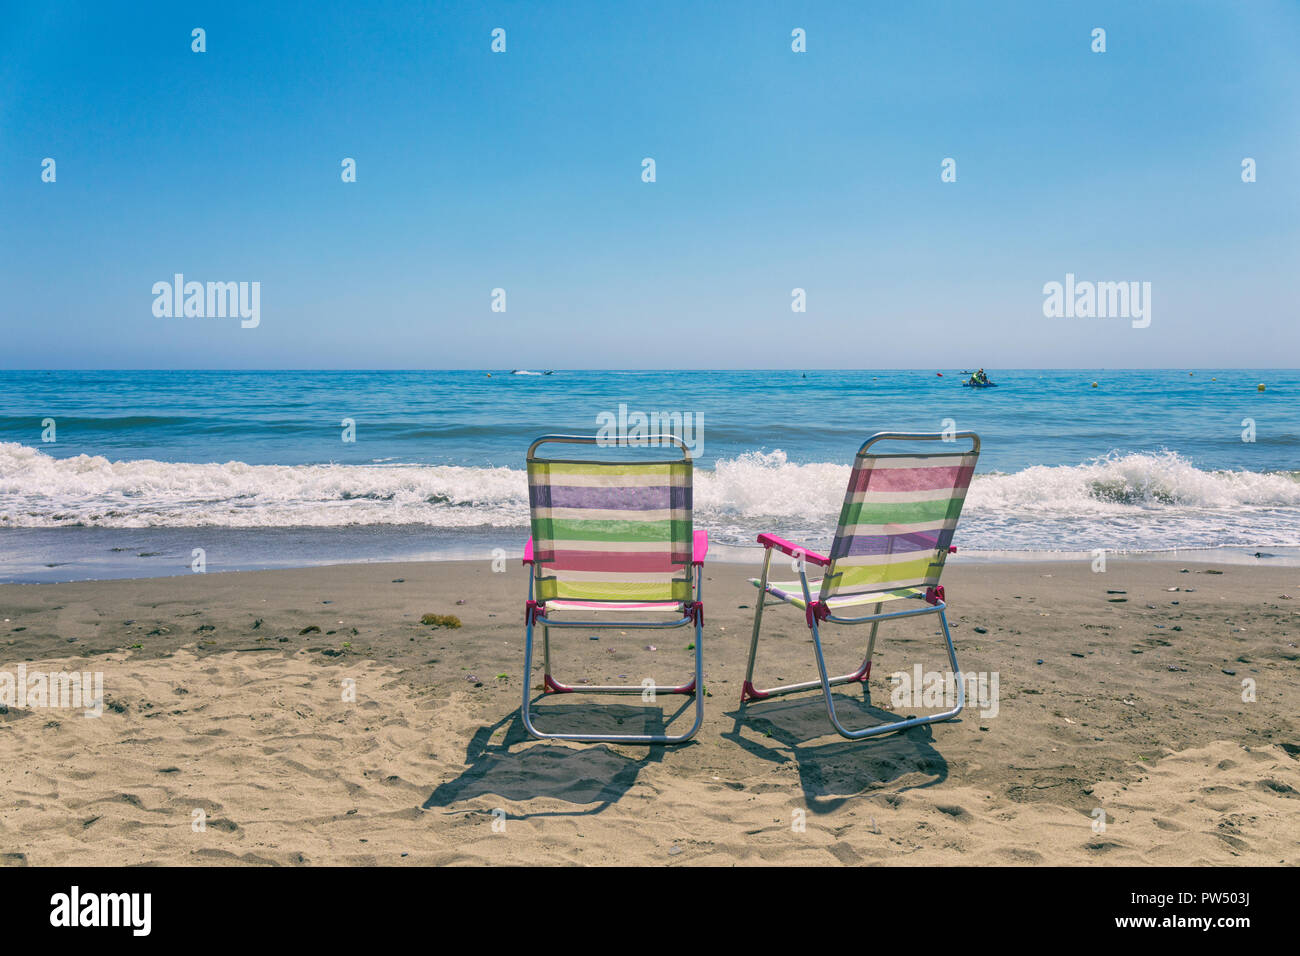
[[654, 368]]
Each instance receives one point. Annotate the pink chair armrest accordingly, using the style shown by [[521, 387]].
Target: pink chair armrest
[[528, 552], [701, 547], [812, 557]]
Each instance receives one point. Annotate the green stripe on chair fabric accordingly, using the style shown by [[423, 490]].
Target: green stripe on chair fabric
[[574, 531], [896, 512]]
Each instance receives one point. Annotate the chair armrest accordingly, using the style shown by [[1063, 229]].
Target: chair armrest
[[528, 552], [700, 547], [812, 557]]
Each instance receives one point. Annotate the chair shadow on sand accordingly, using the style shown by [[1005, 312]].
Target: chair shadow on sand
[[832, 773], [591, 777]]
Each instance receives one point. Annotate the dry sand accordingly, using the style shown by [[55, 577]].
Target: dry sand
[[217, 703]]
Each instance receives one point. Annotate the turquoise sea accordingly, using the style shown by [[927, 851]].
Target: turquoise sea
[[255, 466]]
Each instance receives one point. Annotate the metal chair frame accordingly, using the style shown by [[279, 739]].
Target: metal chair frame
[[536, 616], [817, 612]]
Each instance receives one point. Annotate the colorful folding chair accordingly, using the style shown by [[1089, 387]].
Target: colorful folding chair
[[612, 536], [895, 531]]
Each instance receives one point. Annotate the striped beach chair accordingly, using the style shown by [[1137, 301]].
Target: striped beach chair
[[612, 536], [895, 531]]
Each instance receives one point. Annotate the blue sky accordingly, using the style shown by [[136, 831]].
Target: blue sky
[[775, 170]]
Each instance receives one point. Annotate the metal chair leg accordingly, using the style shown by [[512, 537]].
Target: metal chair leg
[[747, 691], [898, 724], [696, 690]]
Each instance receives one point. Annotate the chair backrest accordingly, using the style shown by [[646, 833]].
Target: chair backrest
[[899, 514], [611, 530]]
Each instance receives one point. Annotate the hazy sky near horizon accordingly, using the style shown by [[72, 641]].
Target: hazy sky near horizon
[[775, 170]]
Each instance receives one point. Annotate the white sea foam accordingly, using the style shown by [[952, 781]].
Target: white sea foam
[[1136, 501], [1120, 501], [39, 491], [1117, 483]]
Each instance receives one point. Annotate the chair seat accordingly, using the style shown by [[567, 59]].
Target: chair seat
[[792, 593], [560, 605]]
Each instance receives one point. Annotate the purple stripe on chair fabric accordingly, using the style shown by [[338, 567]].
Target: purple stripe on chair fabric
[[619, 498], [865, 544]]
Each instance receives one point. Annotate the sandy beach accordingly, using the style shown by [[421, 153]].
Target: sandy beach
[[225, 736]]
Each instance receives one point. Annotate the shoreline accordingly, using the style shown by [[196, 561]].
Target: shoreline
[[1120, 692], [61, 555]]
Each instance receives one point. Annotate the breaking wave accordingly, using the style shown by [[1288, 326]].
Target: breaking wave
[[1133, 501]]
